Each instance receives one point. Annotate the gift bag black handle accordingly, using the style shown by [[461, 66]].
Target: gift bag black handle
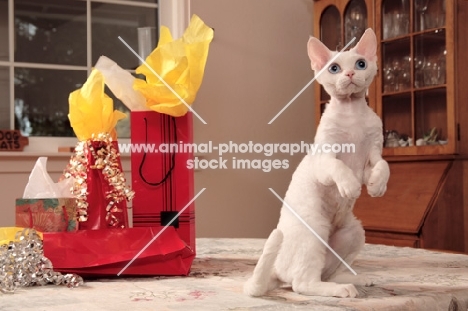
[[168, 173]]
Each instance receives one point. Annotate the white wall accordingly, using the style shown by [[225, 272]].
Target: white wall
[[256, 64]]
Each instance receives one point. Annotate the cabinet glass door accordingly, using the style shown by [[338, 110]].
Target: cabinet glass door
[[413, 77]]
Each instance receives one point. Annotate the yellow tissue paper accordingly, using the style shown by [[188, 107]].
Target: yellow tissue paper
[[181, 64], [91, 110], [8, 234]]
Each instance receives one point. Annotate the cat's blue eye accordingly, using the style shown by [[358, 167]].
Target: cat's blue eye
[[361, 64], [334, 68]]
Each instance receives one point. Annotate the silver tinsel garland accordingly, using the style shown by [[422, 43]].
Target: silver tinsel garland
[[22, 263]]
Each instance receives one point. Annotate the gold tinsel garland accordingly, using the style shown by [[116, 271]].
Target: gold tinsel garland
[[106, 158]]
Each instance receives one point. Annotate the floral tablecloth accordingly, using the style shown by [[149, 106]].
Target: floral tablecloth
[[405, 279]]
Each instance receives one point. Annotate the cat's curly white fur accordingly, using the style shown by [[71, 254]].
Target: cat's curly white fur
[[325, 186]]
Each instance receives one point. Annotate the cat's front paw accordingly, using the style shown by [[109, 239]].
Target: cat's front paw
[[345, 277], [377, 183], [326, 289], [349, 187], [345, 291]]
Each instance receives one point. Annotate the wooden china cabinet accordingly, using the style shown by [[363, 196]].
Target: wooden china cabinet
[[421, 95]]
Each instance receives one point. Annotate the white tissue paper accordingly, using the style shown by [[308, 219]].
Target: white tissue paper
[[41, 186], [120, 82]]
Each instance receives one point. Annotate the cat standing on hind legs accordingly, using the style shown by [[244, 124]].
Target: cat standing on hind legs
[[325, 185]]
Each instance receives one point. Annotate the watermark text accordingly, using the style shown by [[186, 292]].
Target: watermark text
[[267, 149]]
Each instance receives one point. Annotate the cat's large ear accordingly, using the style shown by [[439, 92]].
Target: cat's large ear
[[319, 54], [367, 46]]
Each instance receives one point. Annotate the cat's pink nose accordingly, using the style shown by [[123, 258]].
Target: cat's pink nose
[[349, 73]]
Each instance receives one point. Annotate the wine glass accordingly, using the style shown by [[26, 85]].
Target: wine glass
[[442, 66], [355, 21], [389, 78], [436, 73], [419, 62], [403, 17], [404, 78], [388, 30], [431, 71], [401, 23], [404, 5], [440, 18], [397, 70], [421, 8]]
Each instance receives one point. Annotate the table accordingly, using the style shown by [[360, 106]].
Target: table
[[405, 279]]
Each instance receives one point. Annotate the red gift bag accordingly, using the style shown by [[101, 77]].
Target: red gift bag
[[99, 188], [161, 180], [99, 199], [106, 252]]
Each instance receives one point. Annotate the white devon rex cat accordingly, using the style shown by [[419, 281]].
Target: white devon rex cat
[[325, 186]]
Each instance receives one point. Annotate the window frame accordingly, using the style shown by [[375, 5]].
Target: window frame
[[174, 14]]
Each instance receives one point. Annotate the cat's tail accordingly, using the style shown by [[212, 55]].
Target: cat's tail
[[263, 278]]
